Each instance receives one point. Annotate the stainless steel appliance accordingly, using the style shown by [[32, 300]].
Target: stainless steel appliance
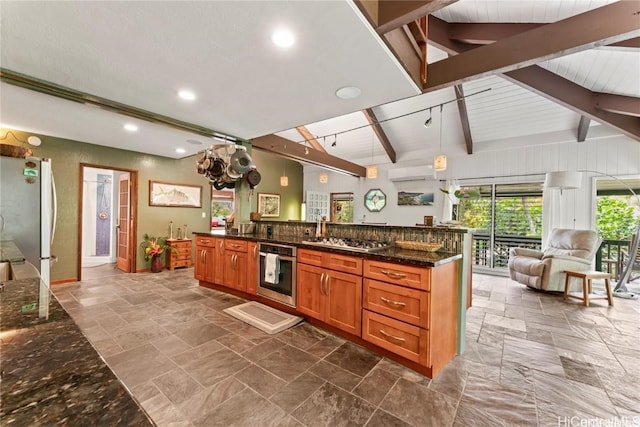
[[284, 290], [348, 244], [27, 209]]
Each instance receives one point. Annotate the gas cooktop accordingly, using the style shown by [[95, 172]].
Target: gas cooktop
[[355, 245]]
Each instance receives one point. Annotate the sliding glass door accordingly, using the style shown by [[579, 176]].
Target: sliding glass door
[[504, 216]]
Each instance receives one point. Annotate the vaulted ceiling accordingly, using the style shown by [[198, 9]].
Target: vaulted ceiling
[[532, 71]]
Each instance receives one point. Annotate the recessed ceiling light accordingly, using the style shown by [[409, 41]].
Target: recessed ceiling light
[[187, 95], [180, 150], [130, 127], [348, 92], [283, 38]]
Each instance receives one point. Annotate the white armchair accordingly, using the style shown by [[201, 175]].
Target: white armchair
[[567, 250]]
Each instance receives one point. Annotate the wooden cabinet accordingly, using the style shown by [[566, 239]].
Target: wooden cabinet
[[328, 295], [253, 265], [411, 311], [333, 261], [235, 261], [180, 256], [218, 261], [204, 259]]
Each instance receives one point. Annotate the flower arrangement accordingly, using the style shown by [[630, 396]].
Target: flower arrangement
[[154, 246]]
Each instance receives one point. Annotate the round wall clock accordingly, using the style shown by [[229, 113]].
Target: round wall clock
[[375, 200]]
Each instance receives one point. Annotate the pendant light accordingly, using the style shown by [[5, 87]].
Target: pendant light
[[284, 179], [372, 170], [440, 161], [324, 178]]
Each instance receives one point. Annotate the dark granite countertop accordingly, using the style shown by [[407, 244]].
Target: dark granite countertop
[[9, 252], [51, 375], [391, 254]]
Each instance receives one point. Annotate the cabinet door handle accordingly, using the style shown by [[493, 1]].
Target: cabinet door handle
[[203, 256], [255, 252], [388, 301], [326, 284], [221, 245], [388, 335], [235, 245], [322, 284], [393, 274], [234, 258], [205, 241]]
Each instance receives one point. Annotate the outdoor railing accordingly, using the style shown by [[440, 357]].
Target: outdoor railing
[[608, 255]]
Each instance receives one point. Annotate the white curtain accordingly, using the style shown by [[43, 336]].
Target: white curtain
[[449, 201]]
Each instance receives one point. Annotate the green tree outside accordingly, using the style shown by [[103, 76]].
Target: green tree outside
[[615, 219]]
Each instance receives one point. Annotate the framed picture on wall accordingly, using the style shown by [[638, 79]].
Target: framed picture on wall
[[375, 200], [269, 205], [175, 195]]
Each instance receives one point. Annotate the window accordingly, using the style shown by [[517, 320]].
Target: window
[[341, 207], [504, 216], [221, 206]]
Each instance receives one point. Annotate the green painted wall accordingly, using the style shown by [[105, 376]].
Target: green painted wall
[[67, 156]]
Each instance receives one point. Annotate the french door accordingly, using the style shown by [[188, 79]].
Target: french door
[[504, 216]]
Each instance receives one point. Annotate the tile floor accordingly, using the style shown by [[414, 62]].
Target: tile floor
[[531, 359]]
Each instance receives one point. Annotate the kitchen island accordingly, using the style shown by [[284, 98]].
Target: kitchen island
[[51, 374], [400, 303]]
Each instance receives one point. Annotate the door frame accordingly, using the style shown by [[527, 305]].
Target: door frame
[[133, 230]]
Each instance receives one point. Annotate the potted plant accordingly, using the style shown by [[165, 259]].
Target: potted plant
[[153, 248]]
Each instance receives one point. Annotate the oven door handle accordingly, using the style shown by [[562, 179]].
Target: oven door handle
[[282, 258]]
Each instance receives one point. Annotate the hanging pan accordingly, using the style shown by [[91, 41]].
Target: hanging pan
[[253, 178], [241, 161]]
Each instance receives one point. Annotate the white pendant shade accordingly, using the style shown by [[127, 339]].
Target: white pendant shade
[[284, 181], [563, 180], [372, 172], [440, 163], [324, 178]]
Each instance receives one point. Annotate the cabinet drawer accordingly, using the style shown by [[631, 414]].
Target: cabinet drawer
[[344, 263], [401, 338], [182, 255], [235, 245], [181, 263], [398, 274], [205, 241], [408, 305], [307, 256]]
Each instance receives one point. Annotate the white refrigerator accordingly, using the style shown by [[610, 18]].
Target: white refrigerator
[[28, 210]]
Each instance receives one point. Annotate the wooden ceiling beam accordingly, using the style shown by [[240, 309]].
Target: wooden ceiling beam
[[487, 33], [382, 136], [304, 132], [394, 14], [464, 118], [608, 24], [573, 97], [583, 128], [283, 147], [619, 104], [544, 83]]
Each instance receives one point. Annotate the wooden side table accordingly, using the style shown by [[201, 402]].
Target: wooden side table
[[586, 277], [180, 257]]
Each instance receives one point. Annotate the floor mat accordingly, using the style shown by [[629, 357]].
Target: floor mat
[[263, 317]]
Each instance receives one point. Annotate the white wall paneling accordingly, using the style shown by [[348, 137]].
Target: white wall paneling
[[616, 156]]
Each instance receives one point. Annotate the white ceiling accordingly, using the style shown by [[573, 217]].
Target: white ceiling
[[141, 53]]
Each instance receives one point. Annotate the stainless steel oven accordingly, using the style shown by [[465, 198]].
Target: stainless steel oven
[[284, 290]]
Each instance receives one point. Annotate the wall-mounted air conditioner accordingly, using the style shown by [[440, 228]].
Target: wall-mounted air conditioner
[[419, 173]]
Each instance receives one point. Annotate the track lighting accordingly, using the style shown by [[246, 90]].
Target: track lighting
[[335, 140], [427, 122]]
